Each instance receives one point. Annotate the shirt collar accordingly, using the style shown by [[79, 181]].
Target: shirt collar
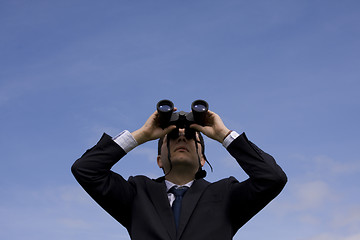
[[170, 184]]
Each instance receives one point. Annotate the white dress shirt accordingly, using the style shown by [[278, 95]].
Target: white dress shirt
[[169, 185]]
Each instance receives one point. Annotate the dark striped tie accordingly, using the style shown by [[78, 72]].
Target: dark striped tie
[[176, 206]]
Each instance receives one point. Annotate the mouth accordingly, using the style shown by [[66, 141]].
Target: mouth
[[181, 149]]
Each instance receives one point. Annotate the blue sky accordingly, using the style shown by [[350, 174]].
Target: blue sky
[[285, 72]]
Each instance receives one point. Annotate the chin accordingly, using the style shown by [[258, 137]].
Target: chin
[[183, 161]]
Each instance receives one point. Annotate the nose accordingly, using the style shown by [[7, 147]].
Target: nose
[[181, 135]]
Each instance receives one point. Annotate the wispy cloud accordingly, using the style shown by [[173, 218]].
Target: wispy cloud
[[332, 166], [14, 89], [330, 236], [147, 153], [347, 217], [308, 196], [66, 212]]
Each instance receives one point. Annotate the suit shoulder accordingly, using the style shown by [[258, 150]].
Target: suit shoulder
[[139, 178], [223, 183], [225, 180]]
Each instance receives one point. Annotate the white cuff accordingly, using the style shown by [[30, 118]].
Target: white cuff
[[231, 137], [126, 141]]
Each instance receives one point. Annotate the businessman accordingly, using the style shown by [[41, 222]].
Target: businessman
[[181, 204]]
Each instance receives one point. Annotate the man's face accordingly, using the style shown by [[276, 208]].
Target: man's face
[[182, 153]]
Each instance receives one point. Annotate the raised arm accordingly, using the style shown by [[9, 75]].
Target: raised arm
[[266, 178], [93, 169]]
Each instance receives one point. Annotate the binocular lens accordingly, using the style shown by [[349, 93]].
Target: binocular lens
[[165, 108], [199, 108]]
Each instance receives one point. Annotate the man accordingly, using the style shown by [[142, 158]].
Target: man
[[153, 209]]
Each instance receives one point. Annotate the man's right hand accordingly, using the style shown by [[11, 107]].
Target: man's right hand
[[151, 129]]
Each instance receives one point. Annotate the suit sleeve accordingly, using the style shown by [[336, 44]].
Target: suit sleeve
[[110, 190], [266, 180]]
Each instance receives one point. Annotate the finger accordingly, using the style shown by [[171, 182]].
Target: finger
[[155, 115], [169, 129], [197, 127]]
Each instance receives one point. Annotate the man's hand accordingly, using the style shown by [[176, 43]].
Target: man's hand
[[214, 127], [151, 129]]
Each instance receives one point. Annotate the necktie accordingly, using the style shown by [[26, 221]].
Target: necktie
[[176, 206]]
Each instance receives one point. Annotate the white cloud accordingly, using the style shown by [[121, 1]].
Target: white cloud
[[323, 165], [64, 212], [352, 237], [14, 89], [329, 165], [312, 194], [229, 162], [331, 236], [310, 219], [308, 196], [74, 223], [316, 203], [149, 153], [323, 236], [73, 194], [347, 217]]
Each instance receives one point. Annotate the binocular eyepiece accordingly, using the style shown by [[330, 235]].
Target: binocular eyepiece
[[181, 119]]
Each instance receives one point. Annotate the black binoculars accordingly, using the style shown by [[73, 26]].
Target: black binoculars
[[181, 119]]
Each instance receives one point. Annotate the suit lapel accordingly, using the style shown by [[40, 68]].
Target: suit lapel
[[189, 203], [158, 195]]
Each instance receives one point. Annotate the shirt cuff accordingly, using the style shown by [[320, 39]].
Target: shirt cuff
[[126, 141], [231, 137]]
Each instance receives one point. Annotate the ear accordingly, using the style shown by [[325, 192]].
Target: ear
[[159, 162], [202, 161]]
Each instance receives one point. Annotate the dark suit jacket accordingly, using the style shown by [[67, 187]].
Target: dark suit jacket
[[209, 210]]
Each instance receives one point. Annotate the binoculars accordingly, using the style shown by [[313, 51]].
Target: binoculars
[[181, 119]]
